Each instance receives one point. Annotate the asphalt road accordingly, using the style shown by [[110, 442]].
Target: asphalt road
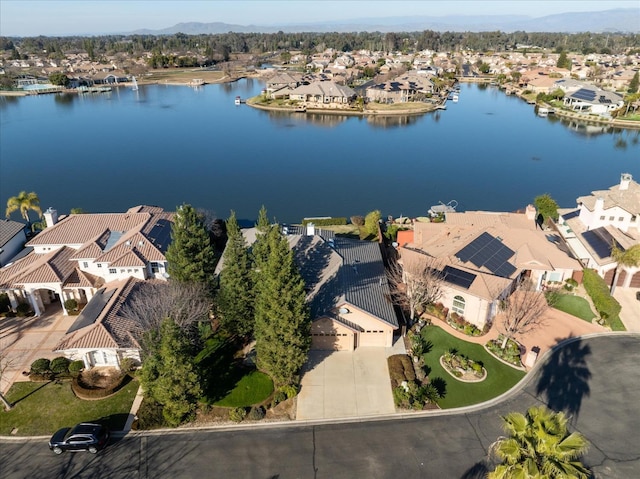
[[597, 381]]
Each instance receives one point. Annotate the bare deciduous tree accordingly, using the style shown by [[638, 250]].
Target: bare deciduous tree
[[522, 312], [152, 302], [415, 283], [5, 363]]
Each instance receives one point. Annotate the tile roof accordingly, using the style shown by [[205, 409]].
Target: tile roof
[[54, 267], [627, 199], [101, 325]]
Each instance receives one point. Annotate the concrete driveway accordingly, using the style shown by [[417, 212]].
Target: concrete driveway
[[630, 313], [341, 384], [23, 340]]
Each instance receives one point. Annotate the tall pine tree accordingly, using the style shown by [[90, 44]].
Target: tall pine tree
[[190, 255], [282, 324], [169, 375], [260, 248], [235, 297]]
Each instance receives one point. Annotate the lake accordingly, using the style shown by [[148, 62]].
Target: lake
[[168, 145]]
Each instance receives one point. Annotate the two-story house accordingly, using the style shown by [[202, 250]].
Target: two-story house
[[599, 220]]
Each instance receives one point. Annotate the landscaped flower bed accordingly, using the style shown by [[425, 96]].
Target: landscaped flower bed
[[459, 323], [462, 368], [510, 354]]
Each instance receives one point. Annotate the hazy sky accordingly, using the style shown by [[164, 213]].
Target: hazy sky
[[51, 17]]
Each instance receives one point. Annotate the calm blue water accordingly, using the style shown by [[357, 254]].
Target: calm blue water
[[165, 145]]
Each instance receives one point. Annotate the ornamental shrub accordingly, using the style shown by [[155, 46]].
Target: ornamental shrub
[[71, 305], [256, 413], [278, 397], [5, 304], [606, 305], [325, 221], [75, 367], [357, 220], [237, 414], [23, 309], [41, 366], [289, 390], [59, 365]]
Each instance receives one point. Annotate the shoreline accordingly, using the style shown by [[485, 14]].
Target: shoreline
[[587, 119]]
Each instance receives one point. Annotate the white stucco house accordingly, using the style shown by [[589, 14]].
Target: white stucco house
[[77, 254], [599, 220]]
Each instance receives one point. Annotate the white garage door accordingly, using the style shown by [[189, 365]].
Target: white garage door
[[332, 342], [372, 338]]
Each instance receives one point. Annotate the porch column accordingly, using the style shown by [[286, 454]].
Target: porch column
[[12, 300], [58, 290], [627, 278], [35, 304]]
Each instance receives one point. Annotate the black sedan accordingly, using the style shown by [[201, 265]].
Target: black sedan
[[81, 437]]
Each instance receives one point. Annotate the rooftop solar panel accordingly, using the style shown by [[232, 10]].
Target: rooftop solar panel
[[600, 241], [92, 310], [584, 94], [489, 252], [458, 277]]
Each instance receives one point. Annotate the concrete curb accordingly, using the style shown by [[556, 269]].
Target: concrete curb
[[353, 420]]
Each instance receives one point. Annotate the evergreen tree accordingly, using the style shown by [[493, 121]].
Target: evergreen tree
[[190, 255], [546, 206], [235, 297], [634, 83], [282, 325], [260, 248], [168, 373]]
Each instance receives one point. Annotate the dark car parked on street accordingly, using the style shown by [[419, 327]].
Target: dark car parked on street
[[81, 437]]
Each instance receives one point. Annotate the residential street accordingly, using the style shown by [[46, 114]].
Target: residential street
[[595, 380]]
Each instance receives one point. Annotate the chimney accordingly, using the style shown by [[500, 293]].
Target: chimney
[[311, 229], [530, 211], [599, 204], [625, 179], [50, 217]]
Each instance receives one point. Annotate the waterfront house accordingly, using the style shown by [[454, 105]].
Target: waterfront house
[[346, 285], [323, 93], [599, 220], [483, 255], [594, 100], [77, 254]]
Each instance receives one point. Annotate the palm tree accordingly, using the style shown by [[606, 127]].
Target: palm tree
[[24, 202], [624, 257], [539, 446]]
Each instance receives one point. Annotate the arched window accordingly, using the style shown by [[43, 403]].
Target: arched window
[[458, 305]]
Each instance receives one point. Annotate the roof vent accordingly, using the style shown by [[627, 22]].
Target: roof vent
[[343, 311], [128, 243], [140, 243]]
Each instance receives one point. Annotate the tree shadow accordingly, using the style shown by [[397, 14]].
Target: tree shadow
[[13, 403], [478, 471], [564, 378]]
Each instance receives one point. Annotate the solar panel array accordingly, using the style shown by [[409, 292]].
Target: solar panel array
[[458, 277], [490, 252], [584, 94], [600, 240]]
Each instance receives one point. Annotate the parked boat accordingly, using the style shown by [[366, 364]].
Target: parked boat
[[134, 83], [440, 209], [238, 100], [543, 112], [454, 99]]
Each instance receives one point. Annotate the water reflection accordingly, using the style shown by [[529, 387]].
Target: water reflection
[[64, 99], [392, 121]]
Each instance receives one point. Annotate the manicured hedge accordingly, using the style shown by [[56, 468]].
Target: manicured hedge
[[325, 221], [85, 391], [597, 288]]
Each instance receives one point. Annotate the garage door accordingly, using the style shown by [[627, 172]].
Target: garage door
[[608, 277], [332, 341], [635, 280], [372, 339]]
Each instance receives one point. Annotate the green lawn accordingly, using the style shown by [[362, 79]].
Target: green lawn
[[228, 382], [500, 377], [43, 408], [574, 305], [252, 389]]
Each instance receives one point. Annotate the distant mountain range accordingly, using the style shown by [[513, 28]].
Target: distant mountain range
[[625, 20]]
